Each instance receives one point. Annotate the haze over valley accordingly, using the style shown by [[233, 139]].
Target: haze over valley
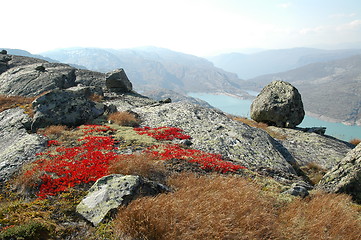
[[204, 46]]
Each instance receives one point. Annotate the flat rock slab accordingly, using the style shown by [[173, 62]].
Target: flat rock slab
[[110, 192], [212, 131], [308, 147]]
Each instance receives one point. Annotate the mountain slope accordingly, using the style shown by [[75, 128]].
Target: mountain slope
[[153, 68], [330, 89], [272, 61]]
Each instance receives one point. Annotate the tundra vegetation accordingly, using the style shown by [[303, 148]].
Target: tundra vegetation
[[210, 197]]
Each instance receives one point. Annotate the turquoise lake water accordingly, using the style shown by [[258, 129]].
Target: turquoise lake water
[[241, 107]]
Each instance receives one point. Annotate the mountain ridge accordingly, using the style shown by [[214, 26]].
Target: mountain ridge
[[330, 90], [152, 68], [248, 66]]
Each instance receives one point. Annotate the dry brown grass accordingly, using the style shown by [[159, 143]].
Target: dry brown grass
[[7, 102], [54, 130], [26, 184], [124, 119], [355, 141], [325, 216], [142, 164], [95, 97], [314, 172], [202, 208], [227, 207], [260, 125]]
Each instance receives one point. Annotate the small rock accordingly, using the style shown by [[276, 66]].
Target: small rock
[[110, 192], [40, 68], [279, 104], [299, 189]]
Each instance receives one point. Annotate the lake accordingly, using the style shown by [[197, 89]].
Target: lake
[[239, 107]]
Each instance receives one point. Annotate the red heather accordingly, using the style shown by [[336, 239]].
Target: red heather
[[207, 161], [53, 143], [68, 167], [163, 133]]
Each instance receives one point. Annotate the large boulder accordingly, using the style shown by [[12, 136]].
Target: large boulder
[[110, 192], [17, 146], [118, 81], [278, 104], [65, 107], [345, 177]]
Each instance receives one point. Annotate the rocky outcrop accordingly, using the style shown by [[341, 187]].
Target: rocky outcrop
[[28, 80], [309, 147], [212, 131], [110, 192], [16, 145], [69, 107], [278, 104], [345, 177], [117, 81], [27, 76]]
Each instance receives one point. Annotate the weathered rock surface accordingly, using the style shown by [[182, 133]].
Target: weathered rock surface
[[308, 147], [17, 61], [26, 80], [16, 145], [118, 81], [278, 104], [89, 78], [27, 76], [65, 107], [345, 177], [110, 192], [214, 132], [128, 101]]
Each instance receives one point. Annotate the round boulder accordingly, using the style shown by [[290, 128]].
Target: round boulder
[[117, 81], [279, 104]]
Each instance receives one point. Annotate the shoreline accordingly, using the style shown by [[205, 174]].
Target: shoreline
[[308, 113]]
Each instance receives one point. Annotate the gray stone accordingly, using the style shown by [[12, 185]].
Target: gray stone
[[278, 104], [64, 107], [86, 91], [90, 78], [345, 177], [299, 190], [17, 146], [308, 147], [118, 81], [212, 131], [25, 80], [110, 192]]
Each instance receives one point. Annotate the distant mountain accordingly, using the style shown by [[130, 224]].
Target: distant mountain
[[272, 61], [154, 68], [330, 89], [24, 53]]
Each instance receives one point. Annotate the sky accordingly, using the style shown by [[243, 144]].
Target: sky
[[198, 27]]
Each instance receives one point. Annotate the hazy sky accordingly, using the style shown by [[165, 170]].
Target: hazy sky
[[199, 27]]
